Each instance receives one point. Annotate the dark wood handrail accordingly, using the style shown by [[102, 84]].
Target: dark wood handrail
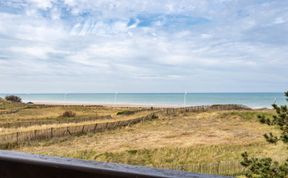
[[24, 165]]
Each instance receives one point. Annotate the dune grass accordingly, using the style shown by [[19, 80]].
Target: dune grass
[[216, 159], [4, 131], [204, 142], [207, 142], [10, 111]]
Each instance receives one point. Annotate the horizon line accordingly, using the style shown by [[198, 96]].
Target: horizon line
[[232, 92]]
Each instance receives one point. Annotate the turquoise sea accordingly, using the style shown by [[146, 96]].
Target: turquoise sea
[[255, 100]]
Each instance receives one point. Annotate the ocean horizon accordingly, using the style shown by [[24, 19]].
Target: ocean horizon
[[253, 99]]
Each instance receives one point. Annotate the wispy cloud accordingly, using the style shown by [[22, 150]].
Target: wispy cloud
[[143, 46]]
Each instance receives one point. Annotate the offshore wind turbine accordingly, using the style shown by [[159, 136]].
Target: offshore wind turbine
[[185, 95], [115, 97]]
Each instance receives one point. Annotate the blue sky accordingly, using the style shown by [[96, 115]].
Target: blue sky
[[143, 45]]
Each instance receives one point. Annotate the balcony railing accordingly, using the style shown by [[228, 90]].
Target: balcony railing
[[23, 165]]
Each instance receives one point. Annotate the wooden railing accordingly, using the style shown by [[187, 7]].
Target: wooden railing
[[23, 165]]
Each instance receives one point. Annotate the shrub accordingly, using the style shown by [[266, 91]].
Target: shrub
[[154, 116], [13, 98], [266, 167], [126, 112], [68, 114]]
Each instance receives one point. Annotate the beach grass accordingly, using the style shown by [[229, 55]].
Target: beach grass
[[187, 141], [203, 142]]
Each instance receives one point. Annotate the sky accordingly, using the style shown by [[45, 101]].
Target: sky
[[143, 46]]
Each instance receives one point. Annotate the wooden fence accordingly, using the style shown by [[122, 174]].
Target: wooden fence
[[22, 137], [204, 108], [32, 122], [228, 168]]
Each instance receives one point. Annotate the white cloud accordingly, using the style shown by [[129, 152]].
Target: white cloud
[[36, 52], [41, 4], [96, 41]]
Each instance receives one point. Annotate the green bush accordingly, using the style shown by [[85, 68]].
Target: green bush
[[68, 114], [266, 167], [13, 98], [126, 112]]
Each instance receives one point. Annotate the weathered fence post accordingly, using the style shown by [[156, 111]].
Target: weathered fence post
[[106, 126], [83, 129], [51, 132], [17, 137], [218, 167], [68, 131], [95, 127], [35, 134]]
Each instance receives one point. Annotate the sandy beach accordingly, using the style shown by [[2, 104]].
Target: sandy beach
[[124, 105]]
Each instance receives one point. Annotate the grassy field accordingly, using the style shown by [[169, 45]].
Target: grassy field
[[18, 112], [208, 142]]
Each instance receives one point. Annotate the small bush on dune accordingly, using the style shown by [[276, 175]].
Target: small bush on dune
[[13, 98], [68, 114], [126, 112]]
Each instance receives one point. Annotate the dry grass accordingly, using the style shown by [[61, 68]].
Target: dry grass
[[4, 131], [178, 140], [184, 140], [49, 112], [21, 112]]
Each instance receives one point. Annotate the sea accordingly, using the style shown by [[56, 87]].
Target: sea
[[254, 100]]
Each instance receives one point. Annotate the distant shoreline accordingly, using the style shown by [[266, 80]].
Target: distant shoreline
[[126, 105], [77, 103]]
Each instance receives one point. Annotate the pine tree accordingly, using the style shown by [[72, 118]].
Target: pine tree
[[266, 167]]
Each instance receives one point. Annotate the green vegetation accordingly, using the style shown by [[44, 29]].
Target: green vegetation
[[248, 115], [125, 112], [68, 114], [266, 167], [13, 98], [6, 105]]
